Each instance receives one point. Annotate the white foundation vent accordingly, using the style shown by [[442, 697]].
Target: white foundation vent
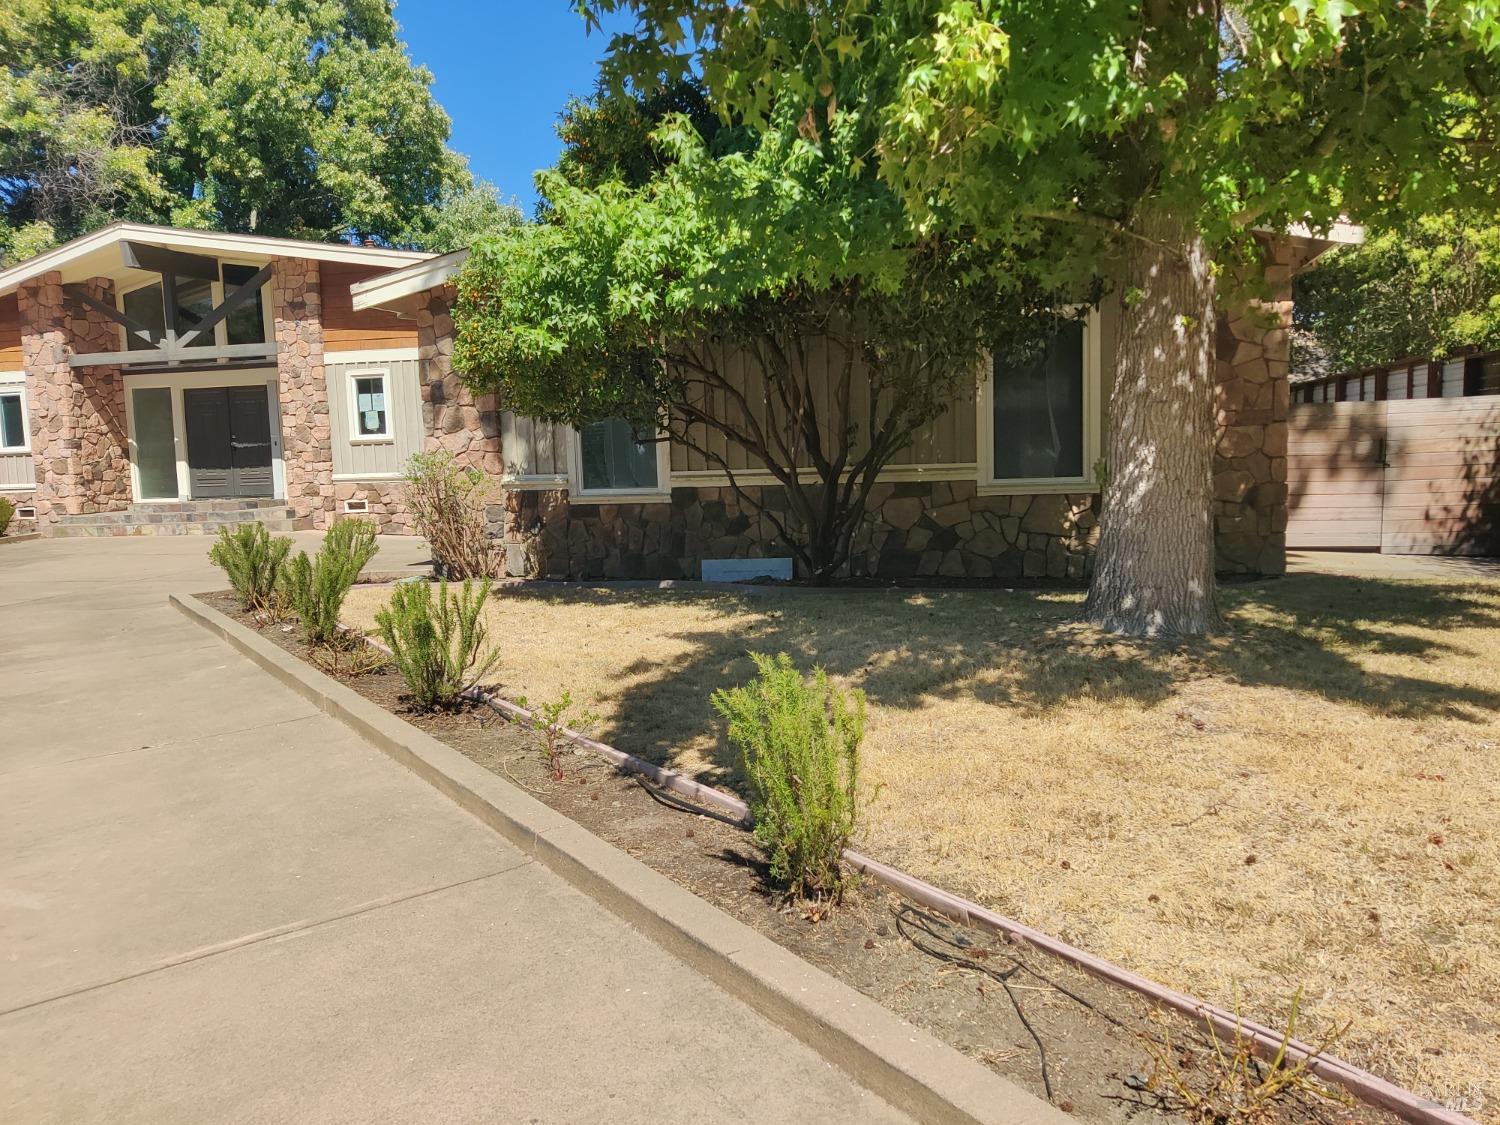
[[352, 507]]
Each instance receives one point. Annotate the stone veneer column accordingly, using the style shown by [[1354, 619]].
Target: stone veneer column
[[465, 424], [454, 417], [78, 433], [306, 431], [1254, 396]]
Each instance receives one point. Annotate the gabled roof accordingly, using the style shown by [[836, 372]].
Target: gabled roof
[[395, 291], [98, 253]]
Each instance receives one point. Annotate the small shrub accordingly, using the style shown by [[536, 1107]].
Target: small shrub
[[547, 723], [349, 658], [799, 740], [440, 649], [447, 504], [7, 513], [253, 560], [316, 588], [1228, 1085]]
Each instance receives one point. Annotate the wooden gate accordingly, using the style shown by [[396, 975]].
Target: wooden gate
[[1404, 476]]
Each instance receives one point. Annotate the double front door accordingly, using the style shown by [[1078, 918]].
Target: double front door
[[228, 442]]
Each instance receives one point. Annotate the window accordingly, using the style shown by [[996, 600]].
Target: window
[[371, 421], [611, 461], [195, 299], [13, 437], [247, 324], [1037, 415], [144, 306]]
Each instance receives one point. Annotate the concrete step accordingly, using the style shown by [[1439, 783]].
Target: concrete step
[[171, 506], [182, 519]]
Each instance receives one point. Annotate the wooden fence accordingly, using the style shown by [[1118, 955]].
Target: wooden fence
[[1403, 476]]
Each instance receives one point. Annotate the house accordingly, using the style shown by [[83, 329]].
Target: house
[[155, 380], [158, 380]]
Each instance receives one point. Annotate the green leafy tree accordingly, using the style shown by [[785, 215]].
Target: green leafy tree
[[461, 216], [737, 288], [1423, 289], [301, 117], [1171, 131]]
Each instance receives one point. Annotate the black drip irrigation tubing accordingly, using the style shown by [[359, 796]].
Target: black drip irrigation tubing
[[911, 923]]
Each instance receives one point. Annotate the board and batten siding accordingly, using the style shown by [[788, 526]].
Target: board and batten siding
[[17, 472], [375, 460], [533, 449], [949, 440], [17, 469]]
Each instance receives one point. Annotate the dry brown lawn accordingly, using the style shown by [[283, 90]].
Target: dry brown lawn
[[1311, 801]]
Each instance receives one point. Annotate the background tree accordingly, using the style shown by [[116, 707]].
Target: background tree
[[1172, 128], [1422, 289], [297, 117], [462, 215], [746, 291]]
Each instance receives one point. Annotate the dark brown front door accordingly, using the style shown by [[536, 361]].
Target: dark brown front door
[[229, 442]]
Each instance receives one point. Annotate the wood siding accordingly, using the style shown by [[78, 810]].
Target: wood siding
[[345, 330], [10, 334], [17, 470], [365, 460], [1335, 475], [949, 440], [1442, 495], [533, 449], [1405, 476]]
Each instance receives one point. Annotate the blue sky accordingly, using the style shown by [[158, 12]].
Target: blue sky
[[503, 69]]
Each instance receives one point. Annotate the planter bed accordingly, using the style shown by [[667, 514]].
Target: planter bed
[[968, 987]]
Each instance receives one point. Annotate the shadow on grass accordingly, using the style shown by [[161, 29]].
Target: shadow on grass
[[1025, 649]]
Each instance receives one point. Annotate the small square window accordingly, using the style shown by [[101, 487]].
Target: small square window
[[12, 422], [370, 417]]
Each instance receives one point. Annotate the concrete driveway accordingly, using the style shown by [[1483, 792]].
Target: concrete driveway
[[217, 904]]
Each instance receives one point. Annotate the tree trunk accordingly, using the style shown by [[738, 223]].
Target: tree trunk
[[1154, 572]]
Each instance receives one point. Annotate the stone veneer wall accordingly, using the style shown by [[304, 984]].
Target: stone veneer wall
[[306, 429], [1254, 396], [387, 506], [465, 424], [915, 530], [78, 433]]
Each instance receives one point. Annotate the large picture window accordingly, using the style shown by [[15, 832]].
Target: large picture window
[[247, 324], [195, 299], [611, 461], [1039, 415], [13, 437]]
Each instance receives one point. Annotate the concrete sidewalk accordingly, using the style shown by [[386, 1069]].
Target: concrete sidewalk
[[219, 905]]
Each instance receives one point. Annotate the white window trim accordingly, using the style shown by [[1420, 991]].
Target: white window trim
[[577, 494], [14, 382], [216, 290], [1093, 417], [388, 435]]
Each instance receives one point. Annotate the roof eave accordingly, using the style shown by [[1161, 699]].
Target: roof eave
[[209, 241]]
